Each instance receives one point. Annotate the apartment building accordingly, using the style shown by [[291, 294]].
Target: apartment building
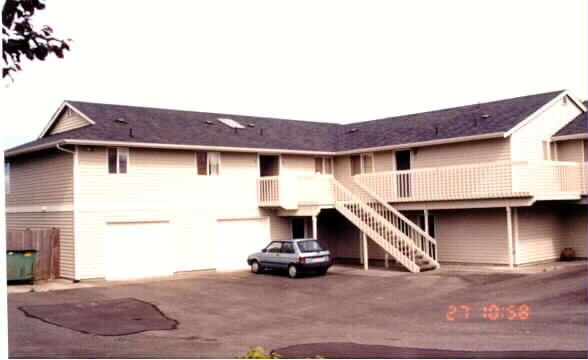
[[142, 191]]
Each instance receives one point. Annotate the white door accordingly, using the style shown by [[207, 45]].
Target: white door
[[138, 249], [239, 238]]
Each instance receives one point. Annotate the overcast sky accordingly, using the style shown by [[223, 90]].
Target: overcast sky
[[332, 61]]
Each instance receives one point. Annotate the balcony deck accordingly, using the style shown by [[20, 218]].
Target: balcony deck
[[542, 180]]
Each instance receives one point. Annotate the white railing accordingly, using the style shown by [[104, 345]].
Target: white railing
[[268, 191], [289, 191], [478, 181], [395, 233]]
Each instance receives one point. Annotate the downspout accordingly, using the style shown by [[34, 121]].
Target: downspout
[[58, 146]]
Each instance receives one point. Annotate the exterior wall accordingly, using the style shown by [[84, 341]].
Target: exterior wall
[[68, 121], [575, 228], [570, 150], [163, 185], [461, 153], [472, 236], [527, 142], [41, 197], [297, 164], [384, 161], [39, 221], [342, 238], [41, 179], [540, 234], [280, 228]]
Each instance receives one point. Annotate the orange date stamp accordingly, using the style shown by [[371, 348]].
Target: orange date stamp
[[491, 312]]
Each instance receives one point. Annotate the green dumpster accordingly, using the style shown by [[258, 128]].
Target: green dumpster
[[19, 264]]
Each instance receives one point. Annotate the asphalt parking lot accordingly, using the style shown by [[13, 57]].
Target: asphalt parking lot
[[341, 314]]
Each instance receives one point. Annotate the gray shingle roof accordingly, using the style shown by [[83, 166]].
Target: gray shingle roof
[[576, 126], [164, 126]]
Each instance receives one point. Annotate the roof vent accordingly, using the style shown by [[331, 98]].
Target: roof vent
[[231, 123], [485, 116], [251, 125], [436, 130], [208, 122], [352, 130], [121, 120]]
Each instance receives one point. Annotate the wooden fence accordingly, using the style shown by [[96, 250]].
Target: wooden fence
[[46, 244]]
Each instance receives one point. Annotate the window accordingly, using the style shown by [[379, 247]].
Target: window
[[118, 160], [323, 165], [7, 178], [208, 163], [309, 245], [287, 248], [367, 161], [274, 247], [355, 165]]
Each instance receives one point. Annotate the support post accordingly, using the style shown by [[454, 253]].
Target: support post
[[509, 236], [314, 227], [366, 258], [426, 220], [386, 261]]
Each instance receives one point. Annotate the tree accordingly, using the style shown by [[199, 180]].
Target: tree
[[21, 38]]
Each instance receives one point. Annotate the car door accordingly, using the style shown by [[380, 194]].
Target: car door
[[287, 254], [271, 256]]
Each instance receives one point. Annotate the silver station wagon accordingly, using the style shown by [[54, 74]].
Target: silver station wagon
[[296, 256]]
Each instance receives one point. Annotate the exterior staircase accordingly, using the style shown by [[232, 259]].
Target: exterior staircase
[[407, 243]]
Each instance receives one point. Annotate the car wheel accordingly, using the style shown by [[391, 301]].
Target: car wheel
[[255, 267], [292, 271], [322, 272]]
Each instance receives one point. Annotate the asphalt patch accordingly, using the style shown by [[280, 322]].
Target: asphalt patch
[[363, 351], [114, 317]]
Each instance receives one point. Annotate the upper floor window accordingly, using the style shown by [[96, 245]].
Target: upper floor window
[[208, 163], [7, 178], [118, 160], [323, 165]]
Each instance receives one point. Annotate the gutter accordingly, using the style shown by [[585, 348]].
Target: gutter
[[11, 153], [569, 137]]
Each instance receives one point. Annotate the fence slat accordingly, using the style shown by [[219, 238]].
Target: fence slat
[[45, 243]]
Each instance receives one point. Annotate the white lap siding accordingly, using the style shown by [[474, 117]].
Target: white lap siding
[[540, 234], [575, 227], [472, 236]]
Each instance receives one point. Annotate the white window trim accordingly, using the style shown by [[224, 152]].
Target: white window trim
[[208, 162], [118, 161]]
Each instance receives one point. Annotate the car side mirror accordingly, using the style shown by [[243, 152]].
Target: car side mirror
[[263, 250]]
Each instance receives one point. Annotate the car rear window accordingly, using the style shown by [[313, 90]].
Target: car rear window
[[309, 245]]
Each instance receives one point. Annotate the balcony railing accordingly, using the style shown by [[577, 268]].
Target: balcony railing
[[289, 192], [542, 179]]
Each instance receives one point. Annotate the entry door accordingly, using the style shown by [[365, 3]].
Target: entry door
[[403, 162], [298, 226]]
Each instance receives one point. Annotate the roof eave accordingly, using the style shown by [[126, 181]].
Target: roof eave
[[56, 116], [424, 143], [12, 153], [569, 137]]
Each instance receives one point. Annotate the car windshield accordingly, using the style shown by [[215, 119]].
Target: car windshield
[[309, 245]]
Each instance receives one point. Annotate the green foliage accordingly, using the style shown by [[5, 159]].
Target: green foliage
[[258, 352], [20, 38]]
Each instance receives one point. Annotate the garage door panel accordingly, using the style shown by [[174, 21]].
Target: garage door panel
[[134, 250], [239, 238]]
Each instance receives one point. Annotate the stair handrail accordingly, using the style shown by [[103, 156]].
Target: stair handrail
[[391, 248], [395, 211]]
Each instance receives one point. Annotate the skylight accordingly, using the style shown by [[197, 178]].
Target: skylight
[[231, 123]]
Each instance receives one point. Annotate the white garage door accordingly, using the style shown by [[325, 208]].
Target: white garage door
[[138, 249], [239, 238]]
